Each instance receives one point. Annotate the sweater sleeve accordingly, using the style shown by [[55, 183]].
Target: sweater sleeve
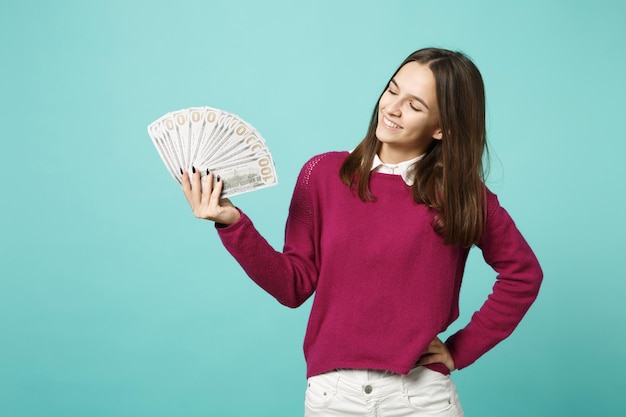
[[517, 284], [289, 276]]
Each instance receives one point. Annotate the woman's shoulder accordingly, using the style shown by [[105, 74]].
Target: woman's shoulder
[[328, 158], [324, 161], [491, 200], [319, 167]]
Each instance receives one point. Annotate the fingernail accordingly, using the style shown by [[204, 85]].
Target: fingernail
[[193, 169], [218, 178], [207, 172], [181, 171]]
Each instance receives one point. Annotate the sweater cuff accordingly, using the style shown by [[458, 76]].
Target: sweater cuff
[[456, 355], [225, 228]]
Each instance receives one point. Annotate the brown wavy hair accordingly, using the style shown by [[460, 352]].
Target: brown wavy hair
[[450, 176]]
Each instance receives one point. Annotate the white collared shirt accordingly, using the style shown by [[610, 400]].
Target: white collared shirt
[[403, 168]]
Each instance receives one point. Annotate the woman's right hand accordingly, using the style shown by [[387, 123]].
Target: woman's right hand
[[205, 200]]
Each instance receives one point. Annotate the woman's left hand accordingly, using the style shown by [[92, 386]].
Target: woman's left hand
[[437, 352]]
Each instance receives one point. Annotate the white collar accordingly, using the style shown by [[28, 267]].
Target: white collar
[[403, 168]]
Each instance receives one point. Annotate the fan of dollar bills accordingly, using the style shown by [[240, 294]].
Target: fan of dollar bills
[[214, 140]]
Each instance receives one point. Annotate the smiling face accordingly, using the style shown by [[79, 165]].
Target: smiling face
[[408, 117]]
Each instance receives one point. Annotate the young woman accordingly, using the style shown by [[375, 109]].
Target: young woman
[[381, 236]]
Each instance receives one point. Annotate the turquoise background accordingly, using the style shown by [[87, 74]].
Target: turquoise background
[[116, 301]]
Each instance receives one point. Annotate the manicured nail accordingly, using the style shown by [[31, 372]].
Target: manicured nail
[[181, 171], [207, 172], [218, 178], [193, 169]]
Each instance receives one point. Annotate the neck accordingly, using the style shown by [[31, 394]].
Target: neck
[[390, 155]]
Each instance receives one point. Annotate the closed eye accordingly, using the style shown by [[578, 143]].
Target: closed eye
[[393, 84], [390, 91]]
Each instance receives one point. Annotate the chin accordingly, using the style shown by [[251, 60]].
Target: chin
[[383, 137], [381, 134]]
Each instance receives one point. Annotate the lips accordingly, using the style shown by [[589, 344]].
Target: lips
[[390, 124]]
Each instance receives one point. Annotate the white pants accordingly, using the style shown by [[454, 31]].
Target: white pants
[[353, 392]]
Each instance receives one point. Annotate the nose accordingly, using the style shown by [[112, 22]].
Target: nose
[[394, 107]]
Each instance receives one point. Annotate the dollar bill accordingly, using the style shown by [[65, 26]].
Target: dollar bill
[[163, 147], [242, 178]]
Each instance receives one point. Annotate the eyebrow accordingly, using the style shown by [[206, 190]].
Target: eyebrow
[[410, 95]]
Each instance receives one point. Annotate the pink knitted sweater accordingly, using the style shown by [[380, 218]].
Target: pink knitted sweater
[[385, 284]]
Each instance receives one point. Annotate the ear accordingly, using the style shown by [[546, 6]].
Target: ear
[[438, 134]]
